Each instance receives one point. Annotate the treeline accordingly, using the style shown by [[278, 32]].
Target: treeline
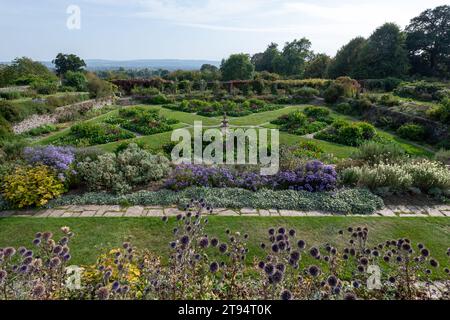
[[422, 49]]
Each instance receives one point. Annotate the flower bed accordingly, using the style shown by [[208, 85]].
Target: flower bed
[[314, 176], [231, 108]]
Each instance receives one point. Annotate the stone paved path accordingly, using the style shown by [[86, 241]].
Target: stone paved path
[[142, 211]]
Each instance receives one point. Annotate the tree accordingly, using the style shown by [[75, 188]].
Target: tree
[[25, 71], [208, 68], [264, 61], [76, 80], [68, 62], [318, 66], [428, 42], [383, 55], [237, 67], [344, 63], [294, 57]]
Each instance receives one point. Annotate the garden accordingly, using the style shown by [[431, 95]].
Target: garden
[[87, 180]]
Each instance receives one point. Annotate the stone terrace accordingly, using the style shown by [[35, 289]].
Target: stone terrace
[[142, 211]]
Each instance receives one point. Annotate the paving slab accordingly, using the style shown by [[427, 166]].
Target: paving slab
[[136, 211]]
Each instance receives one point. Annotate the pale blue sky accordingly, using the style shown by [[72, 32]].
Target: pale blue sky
[[190, 29]]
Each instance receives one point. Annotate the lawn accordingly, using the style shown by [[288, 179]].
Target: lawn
[[154, 142], [96, 235]]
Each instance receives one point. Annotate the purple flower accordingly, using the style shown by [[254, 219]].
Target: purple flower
[[58, 158]]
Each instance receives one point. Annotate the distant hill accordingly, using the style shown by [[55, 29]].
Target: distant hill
[[169, 64]]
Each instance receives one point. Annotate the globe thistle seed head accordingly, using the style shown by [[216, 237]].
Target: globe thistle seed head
[[286, 295], [314, 252], [314, 271], [214, 267], [214, 242], [269, 269], [392, 279], [275, 248], [364, 261], [281, 267], [434, 263], [185, 240], [223, 248], [38, 290], [261, 264], [425, 252], [332, 281], [295, 255], [301, 244], [292, 233], [277, 276], [103, 293], [204, 243], [356, 284], [115, 286], [55, 262], [9, 252], [349, 296]]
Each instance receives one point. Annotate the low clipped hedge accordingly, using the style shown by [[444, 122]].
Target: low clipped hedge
[[344, 201]]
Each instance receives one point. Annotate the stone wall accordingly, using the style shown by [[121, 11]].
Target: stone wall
[[36, 121], [382, 116]]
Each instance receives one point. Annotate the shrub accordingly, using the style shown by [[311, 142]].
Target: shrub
[[318, 113], [344, 108], [389, 100], [311, 120], [10, 95], [31, 186], [374, 152], [58, 158], [428, 175], [412, 131], [441, 112], [88, 134], [421, 90], [41, 130], [120, 173], [76, 80], [142, 120], [360, 106], [45, 87], [346, 133], [333, 93], [424, 175], [443, 156]]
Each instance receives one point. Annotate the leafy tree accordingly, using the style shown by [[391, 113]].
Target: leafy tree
[[208, 68], [209, 72], [383, 55], [344, 63], [76, 80], [237, 67], [264, 61], [68, 62], [428, 42], [318, 66], [25, 71]]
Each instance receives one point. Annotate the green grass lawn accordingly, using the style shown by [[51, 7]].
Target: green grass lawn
[[97, 235]]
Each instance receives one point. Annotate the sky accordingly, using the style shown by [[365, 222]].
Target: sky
[[189, 29]]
